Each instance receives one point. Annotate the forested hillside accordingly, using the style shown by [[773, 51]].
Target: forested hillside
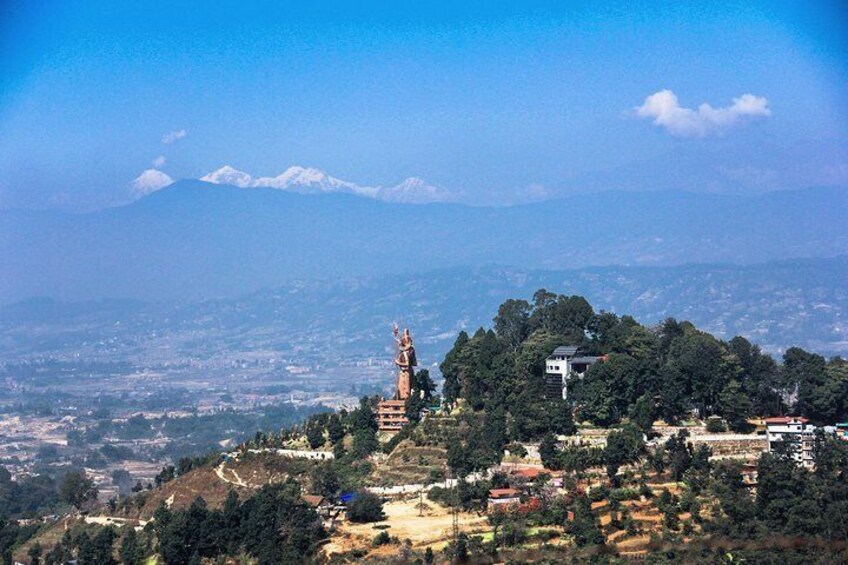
[[669, 371], [493, 381]]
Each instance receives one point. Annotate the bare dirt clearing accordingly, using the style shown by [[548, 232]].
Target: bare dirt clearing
[[402, 518]]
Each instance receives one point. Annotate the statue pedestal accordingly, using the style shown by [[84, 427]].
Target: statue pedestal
[[391, 415]]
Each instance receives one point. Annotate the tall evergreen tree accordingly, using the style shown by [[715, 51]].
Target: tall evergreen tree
[[734, 406]]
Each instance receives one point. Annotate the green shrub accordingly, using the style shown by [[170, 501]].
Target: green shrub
[[715, 425], [382, 538], [366, 507], [599, 493]]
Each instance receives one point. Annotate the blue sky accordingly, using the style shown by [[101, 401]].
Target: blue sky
[[494, 102]]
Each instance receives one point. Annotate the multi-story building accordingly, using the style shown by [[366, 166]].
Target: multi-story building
[[799, 434], [391, 415], [562, 365]]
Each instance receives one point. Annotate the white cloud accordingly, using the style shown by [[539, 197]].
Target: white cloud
[[158, 162], [173, 136], [666, 112], [149, 181]]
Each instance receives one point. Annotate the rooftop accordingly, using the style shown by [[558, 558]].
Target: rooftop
[[565, 351], [503, 493], [532, 472], [786, 420], [313, 500], [587, 360]]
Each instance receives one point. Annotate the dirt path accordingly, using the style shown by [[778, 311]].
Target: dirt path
[[238, 480], [219, 470]]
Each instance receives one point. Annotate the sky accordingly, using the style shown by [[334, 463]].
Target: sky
[[497, 103]]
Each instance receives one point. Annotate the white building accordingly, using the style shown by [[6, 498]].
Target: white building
[[795, 430], [562, 365]]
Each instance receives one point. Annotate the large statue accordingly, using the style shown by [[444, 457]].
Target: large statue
[[405, 360]]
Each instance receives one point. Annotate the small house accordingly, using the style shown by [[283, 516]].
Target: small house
[[503, 497], [561, 365]]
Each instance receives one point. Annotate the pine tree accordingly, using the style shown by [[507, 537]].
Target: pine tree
[[130, 550], [549, 453]]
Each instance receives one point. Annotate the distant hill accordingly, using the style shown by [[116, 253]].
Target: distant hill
[[196, 240], [779, 304]]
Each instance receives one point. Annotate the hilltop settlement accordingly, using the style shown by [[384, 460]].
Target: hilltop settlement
[[560, 435]]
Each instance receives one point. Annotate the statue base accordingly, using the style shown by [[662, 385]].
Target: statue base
[[391, 415]]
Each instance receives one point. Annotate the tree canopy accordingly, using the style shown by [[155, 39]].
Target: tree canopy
[[671, 371]]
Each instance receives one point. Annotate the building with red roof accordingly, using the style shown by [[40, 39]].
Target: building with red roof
[[502, 497], [796, 432]]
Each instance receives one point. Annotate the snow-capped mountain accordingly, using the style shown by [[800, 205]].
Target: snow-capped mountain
[[149, 181], [414, 191], [229, 175], [308, 181]]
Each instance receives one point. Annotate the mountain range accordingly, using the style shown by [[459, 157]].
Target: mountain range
[[312, 181], [197, 240]]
